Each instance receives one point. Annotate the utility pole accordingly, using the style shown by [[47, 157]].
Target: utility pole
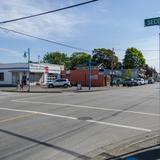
[[89, 73], [38, 59], [27, 54], [112, 66]]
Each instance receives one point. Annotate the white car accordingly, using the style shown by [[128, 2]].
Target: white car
[[59, 83], [140, 81]]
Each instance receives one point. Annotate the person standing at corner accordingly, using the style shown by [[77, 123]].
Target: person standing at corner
[[17, 85], [21, 85]]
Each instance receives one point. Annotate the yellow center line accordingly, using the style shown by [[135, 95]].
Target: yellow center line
[[17, 117]]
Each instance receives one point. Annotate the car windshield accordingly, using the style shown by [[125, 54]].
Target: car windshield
[[80, 80]]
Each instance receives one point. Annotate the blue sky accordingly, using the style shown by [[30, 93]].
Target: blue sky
[[110, 24]]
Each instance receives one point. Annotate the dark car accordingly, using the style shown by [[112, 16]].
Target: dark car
[[130, 82], [117, 82], [150, 81]]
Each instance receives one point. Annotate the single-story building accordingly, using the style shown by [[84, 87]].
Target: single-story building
[[80, 75], [39, 73]]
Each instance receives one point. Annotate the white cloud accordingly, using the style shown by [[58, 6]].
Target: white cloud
[[55, 25], [10, 51], [149, 47]]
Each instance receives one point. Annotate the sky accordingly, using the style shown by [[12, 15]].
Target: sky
[[117, 24]]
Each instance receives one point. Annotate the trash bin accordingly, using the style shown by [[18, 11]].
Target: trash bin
[[79, 87]]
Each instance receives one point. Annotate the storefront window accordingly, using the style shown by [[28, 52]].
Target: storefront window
[[1, 76]]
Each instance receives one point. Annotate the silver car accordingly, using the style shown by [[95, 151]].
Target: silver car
[[59, 83]]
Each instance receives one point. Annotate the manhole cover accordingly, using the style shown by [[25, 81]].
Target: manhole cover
[[70, 95], [85, 118]]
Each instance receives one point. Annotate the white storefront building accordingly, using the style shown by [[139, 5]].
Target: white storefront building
[[39, 73]]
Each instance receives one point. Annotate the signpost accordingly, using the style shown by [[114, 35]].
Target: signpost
[[152, 22]]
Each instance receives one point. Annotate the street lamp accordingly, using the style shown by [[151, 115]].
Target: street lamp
[[27, 54]]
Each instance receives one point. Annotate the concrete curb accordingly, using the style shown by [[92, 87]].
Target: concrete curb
[[125, 147], [52, 91]]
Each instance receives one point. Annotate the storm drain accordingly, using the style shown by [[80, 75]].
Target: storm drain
[[85, 118]]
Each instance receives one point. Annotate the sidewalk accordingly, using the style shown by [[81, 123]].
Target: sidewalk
[[42, 89]]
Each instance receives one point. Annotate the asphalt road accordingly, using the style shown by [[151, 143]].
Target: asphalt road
[[67, 126]]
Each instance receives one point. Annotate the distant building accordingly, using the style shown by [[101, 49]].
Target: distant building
[[40, 73], [80, 75]]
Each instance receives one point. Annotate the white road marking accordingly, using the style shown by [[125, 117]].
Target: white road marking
[[36, 112], [119, 125], [74, 118], [89, 107]]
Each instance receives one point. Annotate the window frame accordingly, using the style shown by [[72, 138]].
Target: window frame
[[1, 76]]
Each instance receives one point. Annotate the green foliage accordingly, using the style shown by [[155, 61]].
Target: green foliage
[[105, 56], [79, 58], [128, 73], [133, 59], [57, 58]]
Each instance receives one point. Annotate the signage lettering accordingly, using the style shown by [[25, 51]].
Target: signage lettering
[[152, 21]]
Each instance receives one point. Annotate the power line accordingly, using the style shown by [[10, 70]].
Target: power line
[[46, 40], [58, 43], [144, 50], [43, 13]]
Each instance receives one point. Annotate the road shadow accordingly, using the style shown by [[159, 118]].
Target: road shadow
[[43, 143]]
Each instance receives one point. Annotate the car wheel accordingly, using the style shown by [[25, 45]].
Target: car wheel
[[65, 86], [50, 86]]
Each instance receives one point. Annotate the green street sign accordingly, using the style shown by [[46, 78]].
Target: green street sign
[[152, 22]]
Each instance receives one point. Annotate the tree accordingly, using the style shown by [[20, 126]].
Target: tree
[[133, 59], [57, 58], [128, 73], [149, 71], [105, 56], [79, 58]]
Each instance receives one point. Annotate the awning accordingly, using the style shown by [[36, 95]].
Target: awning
[[18, 70]]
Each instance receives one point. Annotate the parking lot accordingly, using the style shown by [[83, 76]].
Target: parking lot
[[66, 126]]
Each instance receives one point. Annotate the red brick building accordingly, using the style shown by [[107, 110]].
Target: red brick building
[[80, 76]]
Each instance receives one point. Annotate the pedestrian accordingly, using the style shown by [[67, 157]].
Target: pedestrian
[[21, 85], [118, 82], [18, 85]]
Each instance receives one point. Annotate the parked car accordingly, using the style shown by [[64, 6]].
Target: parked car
[[140, 81], [145, 81], [59, 83], [130, 82], [150, 81], [117, 82]]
